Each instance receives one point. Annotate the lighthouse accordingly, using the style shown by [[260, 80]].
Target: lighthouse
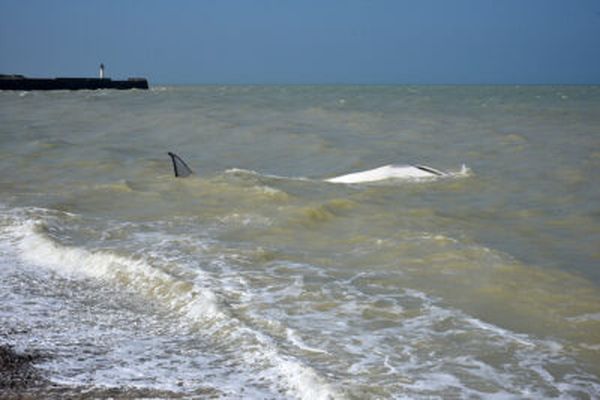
[[101, 71]]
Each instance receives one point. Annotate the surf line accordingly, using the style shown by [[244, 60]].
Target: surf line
[[391, 171]]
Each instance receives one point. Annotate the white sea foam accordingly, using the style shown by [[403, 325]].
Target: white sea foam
[[198, 301], [194, 303], [521, 339], [246, 172], [585, 317], [246, 220], [293, 337], [37, 248]]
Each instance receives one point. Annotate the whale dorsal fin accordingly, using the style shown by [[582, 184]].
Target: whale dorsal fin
[[180, 168]]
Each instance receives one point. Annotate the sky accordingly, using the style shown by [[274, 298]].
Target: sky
[[305, 41]]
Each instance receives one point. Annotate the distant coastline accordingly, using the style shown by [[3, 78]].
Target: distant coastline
[[20, 82]]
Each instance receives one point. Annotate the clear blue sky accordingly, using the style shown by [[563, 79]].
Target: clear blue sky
[[306, 41]]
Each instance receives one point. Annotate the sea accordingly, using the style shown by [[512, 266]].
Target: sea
[[256, 278]]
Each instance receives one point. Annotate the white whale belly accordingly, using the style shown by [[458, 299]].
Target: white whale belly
[[387, 172]]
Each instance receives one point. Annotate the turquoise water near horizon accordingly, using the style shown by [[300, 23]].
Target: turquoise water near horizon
[[256, 278]]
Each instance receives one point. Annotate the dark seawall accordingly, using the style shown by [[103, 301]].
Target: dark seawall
[[19, 82]]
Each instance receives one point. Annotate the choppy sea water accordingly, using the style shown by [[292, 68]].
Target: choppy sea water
[[255, 278]]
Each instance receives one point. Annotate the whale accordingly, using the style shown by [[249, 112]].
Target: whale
[[386, 172], [391, 171], [180, 168]]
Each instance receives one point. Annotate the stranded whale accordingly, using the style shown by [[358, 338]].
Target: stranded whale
[[392, 171], [388, 172], [180, 168]]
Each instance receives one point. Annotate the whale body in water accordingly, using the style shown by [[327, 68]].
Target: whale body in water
[[391, 171]]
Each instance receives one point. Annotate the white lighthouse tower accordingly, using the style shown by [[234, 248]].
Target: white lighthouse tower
[[101, 71]]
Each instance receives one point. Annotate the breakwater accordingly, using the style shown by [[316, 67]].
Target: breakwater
[[20, 82]]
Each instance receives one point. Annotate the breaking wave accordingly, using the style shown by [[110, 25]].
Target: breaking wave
[[193, 301]]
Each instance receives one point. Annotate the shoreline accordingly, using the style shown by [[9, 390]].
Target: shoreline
[[18, 376], [21, 379]]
